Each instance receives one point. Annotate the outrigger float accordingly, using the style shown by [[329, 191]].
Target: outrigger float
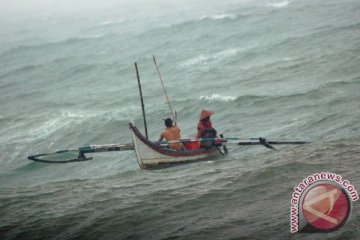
[[151, 154]]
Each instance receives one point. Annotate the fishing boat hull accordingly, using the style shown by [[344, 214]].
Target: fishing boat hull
[[150, 155]]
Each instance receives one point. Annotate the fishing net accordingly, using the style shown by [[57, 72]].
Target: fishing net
[[60, 157], [76, 155]]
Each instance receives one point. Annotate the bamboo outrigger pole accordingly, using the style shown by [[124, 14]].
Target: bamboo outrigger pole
[[162, 84], [142, 101]]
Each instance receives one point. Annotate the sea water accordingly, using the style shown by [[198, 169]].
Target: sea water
[[267, 68]]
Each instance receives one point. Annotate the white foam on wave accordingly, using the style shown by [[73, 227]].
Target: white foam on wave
[[279, 4], [106, 23], [38, 130], [287, 59], [48, 127], [220, 16], [53, 123], [217, 98], [205, 58], [65, 119], [194, 61], [109, 22]]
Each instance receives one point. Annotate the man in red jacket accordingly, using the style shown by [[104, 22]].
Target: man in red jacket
[[205, 129]]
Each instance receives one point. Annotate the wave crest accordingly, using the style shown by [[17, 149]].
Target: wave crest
[[217, 98], [279, 4], [205, 58], [111, 22], [220, 16]]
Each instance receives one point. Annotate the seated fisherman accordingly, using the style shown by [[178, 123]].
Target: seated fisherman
[[171, 133], [205, 129]]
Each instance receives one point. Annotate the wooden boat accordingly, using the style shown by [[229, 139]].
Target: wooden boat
[[151, 155]]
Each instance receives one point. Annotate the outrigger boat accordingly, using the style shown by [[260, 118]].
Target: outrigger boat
[[151, 155], [157, 154]]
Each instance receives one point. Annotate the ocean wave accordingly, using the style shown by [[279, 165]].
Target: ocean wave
[[78, 69], [58, 122], [303, 98], [279, 4], [22, 70], [217, 98], [55, 125], [52, 124], [205, 18], [286, 59], [48, 127], [103, 24], [95, 115], [220, 16], [206, 58], [68, 41], [111, 22]]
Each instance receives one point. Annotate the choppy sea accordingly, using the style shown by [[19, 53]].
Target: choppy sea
[[276, 69]]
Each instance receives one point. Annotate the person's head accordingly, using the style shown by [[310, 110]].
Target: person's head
[[168, 122], [205, 115]]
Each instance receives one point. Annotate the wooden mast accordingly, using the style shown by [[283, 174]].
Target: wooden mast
[[142, 101]]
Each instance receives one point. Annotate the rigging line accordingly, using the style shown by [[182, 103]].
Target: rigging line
[[162, 84]]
